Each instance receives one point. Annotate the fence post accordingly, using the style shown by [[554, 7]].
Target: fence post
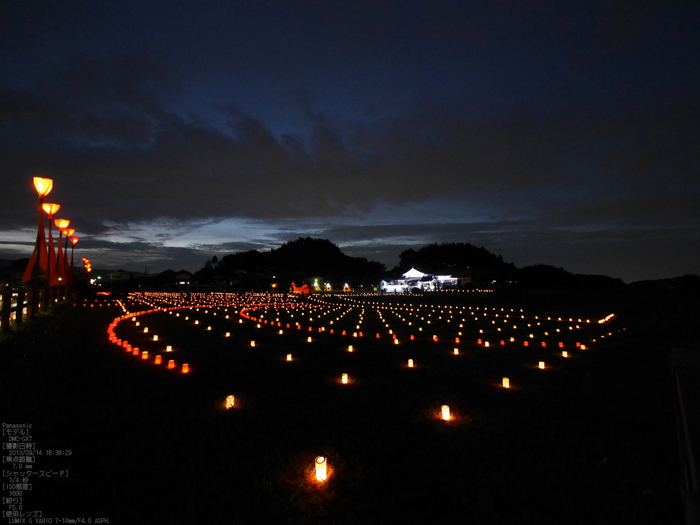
[[6, 306], [20, 306]]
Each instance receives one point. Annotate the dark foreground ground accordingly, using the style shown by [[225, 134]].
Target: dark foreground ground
[[591, 441]]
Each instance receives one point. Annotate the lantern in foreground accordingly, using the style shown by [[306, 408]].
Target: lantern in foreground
[[564, 353], [456, 351], [410, 363], [506, 382], [350, 348], [230, 402], [320, 468], [289, 357], [445, 412], [344, 379], [43, 186], [541, 365], [252, 343], [155, 337], [185, 368]]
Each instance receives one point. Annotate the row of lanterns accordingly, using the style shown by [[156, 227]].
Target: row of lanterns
[[47, 260]]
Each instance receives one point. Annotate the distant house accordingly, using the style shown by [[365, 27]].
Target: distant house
[[426, 281]]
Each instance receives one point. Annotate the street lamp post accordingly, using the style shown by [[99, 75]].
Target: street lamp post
[[43, 187]]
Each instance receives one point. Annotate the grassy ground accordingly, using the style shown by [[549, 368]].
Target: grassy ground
[[590, 440]]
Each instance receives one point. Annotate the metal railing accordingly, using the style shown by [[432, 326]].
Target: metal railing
[[17, 304]]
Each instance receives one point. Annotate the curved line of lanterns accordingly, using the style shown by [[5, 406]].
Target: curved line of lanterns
[[47, 260]]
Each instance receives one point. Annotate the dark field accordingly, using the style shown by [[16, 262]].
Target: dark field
[[590, 439]]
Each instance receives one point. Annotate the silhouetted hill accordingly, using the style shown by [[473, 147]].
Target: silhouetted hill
[[294, 260], [545, 277], [485, 267]]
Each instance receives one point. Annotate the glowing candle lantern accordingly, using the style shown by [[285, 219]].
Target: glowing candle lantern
[[435, 338], [135, 350], [252, 343], [350, 348], [171, 364], [289, 357], [410, 363], [209, 328], [185, 368], [230, 402], [155, 337], [396, 341], [541, 365], [344, 379], [583, 347], [145, 330], [144, 355], [280, 332], [158, 359], [320, 468], [564, 353], [412, 338], [456, 339], [486, 344], [456, 351], [445, 412], [506, 382], [561, 345], [526, 343], [308, 339], [137, 323], [228, 334], [240, 321]]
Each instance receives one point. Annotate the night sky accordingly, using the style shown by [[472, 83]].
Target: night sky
[[555, 132]]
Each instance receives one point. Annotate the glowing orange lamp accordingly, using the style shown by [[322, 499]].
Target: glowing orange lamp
[[321, 468]]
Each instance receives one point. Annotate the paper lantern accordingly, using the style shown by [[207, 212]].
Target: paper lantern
[[541, 365], [158, 360], [308, 339], [144, 355], [169, 348], [185, 368], [506, 382], [230, 402], [564, 353], [445, 412], [344, 379], [171, 364], [410, 363], [396, 341], [145, 330], [43, 186], [350, 349], [289, 357], [209, 328], [456, 351], [252, 343], [155, 337], [320, 468]]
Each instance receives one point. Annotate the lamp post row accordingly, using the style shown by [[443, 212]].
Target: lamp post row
[[45, 260]]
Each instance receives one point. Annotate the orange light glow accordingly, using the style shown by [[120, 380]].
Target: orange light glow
[[541, 365], [171, 363], [289, 357], [230, 402], [50, 208], [43, 186], [344, 379], [68, 232], [506, 382], [185, 368], [410, 363], [61, 224], [158, 360], [74, 240], [144, 355]]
